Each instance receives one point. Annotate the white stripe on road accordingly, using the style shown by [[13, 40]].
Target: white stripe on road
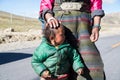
[[116, 45]]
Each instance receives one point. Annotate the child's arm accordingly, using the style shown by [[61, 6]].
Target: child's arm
[[76, 61], [37, 61]]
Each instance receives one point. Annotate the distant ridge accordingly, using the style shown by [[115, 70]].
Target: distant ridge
[[17, 22], [7, 14], [111, 18], [22, 23]]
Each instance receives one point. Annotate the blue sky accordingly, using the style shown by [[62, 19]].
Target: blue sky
[[30, 8]]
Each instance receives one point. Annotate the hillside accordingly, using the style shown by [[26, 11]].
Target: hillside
[[21, 23], [111, 19], [18, 23]]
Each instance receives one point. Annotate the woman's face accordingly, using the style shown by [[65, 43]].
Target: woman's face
[[59, 36]]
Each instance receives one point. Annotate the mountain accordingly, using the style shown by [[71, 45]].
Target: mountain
[[19, 23], [7, 14], [111, 18], [22, 23]]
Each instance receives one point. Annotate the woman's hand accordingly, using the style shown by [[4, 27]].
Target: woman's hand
[[95, 34], [53, 22]]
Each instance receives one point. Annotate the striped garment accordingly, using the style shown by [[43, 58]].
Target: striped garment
[[79, 23]]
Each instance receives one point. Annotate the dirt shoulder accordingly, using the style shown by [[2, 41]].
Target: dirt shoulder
[[10, 40], [32, 38]]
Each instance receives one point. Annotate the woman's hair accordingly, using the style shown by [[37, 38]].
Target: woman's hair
[[49, 32]]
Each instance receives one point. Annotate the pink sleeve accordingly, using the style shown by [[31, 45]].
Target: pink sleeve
[[96, 5], [46, 4]]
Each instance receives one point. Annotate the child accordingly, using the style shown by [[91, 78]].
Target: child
[[54, 56]]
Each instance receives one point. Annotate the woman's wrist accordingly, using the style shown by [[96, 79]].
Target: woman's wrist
[[96, 22], [96, 26], [48, 16]]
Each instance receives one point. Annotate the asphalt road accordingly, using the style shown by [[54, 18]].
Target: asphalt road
[[15, 65]]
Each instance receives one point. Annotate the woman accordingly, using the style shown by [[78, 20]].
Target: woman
[[82, 18]]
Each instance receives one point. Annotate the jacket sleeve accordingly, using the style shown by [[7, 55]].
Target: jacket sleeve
[[37, 59], [75, 59], [96, 8], [46, 6]]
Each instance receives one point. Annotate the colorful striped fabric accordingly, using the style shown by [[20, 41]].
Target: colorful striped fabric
[[79, 23]]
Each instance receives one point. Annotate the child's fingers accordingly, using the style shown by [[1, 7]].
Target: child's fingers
[[80, 71]]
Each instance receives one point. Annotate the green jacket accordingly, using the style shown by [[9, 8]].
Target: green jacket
[[56, 60]]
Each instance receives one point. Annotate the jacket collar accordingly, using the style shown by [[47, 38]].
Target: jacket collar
[[64, 44]]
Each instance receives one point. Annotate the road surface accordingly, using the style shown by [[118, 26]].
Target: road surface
[[15, 65]]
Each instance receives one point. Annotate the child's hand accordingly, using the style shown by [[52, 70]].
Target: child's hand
[[80, 71], [46, 74]]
